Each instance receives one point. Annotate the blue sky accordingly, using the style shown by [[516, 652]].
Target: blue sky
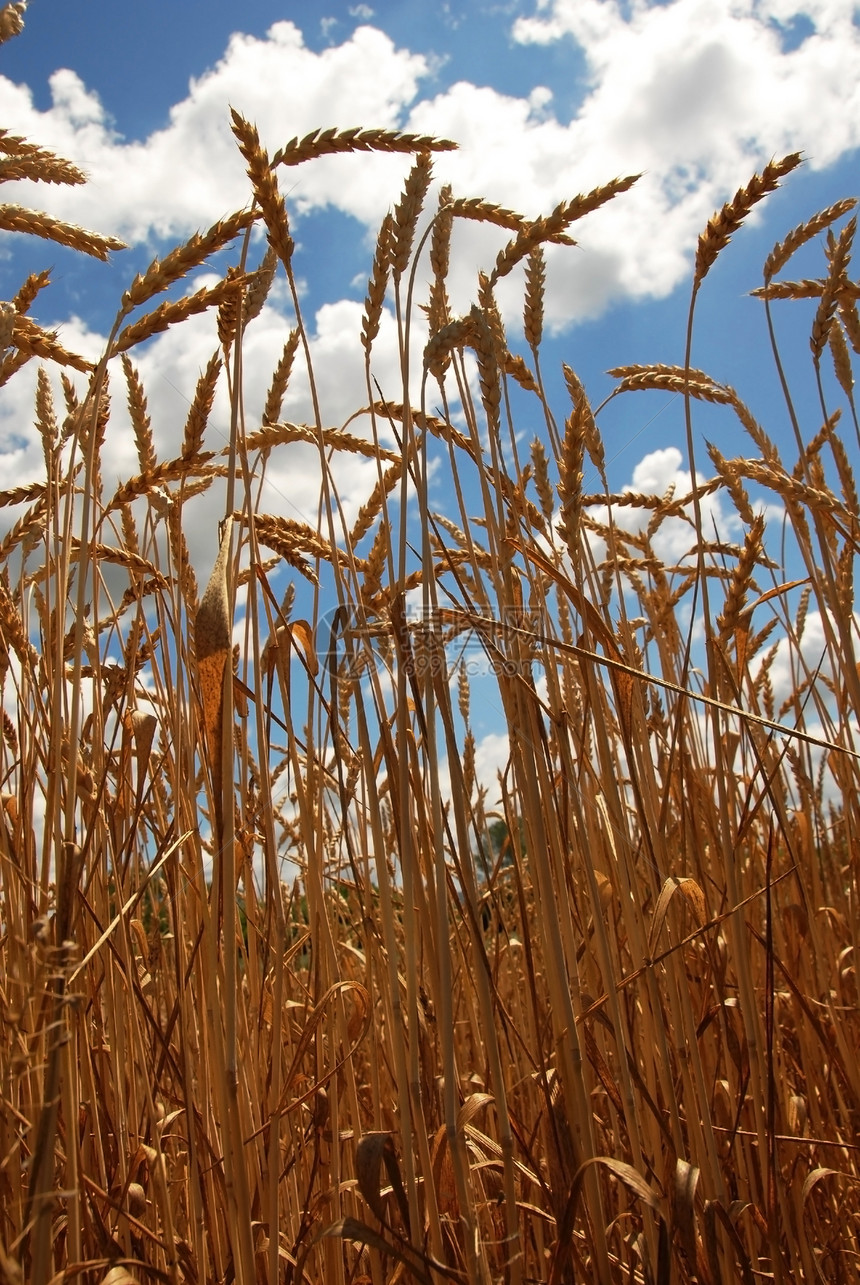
[[545, 97]]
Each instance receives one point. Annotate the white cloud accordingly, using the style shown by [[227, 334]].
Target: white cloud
[[695, 94], [190, 173], [169, 368], [659, 473]]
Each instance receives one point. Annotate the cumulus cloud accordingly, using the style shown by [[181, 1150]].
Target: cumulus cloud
[[694, 94], [169, 367], [190, 173]]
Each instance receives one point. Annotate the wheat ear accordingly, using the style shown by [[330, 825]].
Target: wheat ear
[[265, 186], [162, 273], [726, 222], [15, 218], [12, 20], [548, 229], [327, 142], [784, 249]]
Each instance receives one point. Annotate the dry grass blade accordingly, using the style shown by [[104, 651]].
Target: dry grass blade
[[547, 229], [328, 142], [15, 218], [726, 222], [265, 186], [174, 311]]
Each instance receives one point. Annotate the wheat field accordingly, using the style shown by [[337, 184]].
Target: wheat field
[[289, 991]]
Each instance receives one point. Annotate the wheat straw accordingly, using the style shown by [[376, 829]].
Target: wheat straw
[[346, 1005]]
